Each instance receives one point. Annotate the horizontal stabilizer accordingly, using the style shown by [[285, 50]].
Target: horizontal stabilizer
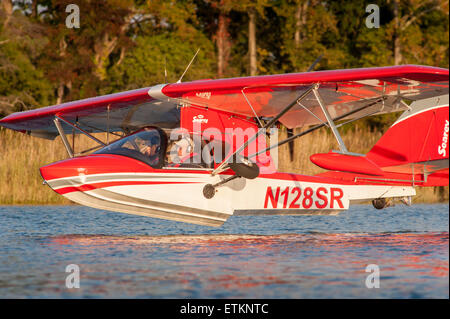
[[346, 163]]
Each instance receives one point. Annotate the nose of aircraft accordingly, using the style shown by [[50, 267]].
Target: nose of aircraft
[[92, 164], [61, 169]]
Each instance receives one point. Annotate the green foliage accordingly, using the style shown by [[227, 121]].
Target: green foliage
[[127, 44], [22, 86], [373, 48], [145, 65]]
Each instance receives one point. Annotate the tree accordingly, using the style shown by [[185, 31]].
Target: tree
[[253, 8], [214, 17], [309, 31], [222, 41], [6, 11], [78, 59], [170, 41], [144, 66], [406, 30], [22, 84]]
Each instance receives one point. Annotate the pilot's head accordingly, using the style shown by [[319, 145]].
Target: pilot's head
[[149, 146], [154, 145]]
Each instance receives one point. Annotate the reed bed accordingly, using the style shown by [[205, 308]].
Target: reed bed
[[20, 158], [320, 141], [22, 155]]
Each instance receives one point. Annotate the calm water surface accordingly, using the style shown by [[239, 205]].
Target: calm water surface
[[126, 256]]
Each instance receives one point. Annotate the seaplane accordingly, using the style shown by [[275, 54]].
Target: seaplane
[[201, 151]]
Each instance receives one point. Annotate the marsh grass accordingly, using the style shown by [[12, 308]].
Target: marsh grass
[[22, 155]]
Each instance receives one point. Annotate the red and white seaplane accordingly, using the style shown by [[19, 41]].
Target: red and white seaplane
[[199, 151]]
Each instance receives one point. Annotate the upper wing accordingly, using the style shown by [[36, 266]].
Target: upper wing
[[370, 90], [125, 111]]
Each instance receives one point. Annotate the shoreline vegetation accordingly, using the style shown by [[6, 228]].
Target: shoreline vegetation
[[22, 155]]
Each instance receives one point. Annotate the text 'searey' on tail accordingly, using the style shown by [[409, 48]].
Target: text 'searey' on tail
[[417, 143]]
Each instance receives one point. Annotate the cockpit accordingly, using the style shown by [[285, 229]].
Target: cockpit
[[152, 146], [147, 145]]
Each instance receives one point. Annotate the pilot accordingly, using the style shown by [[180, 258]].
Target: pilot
[[150, 147]]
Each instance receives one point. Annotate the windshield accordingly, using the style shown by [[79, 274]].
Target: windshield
[[147, 145]]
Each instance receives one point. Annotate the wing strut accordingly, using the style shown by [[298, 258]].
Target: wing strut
[[63, 137], [57, 120], [248, 102], [262, 130], [79, 129], [312, 129], [330, 122]]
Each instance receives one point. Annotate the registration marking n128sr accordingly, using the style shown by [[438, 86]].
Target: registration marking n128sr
[[306, 198]]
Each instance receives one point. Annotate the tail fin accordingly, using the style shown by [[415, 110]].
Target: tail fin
[[417, 143], [415, 148]]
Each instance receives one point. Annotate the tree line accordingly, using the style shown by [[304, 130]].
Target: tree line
[[127, 44]]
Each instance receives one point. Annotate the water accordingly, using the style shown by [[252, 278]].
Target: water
[[126, 256]]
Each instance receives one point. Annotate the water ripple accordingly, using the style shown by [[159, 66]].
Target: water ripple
[[124, 256]]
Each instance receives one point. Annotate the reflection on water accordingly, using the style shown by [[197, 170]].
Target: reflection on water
[[121, 256]]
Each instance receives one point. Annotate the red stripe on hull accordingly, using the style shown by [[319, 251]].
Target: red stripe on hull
[[89, 187]]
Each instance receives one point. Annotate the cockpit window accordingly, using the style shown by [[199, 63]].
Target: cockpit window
[[147, 145]]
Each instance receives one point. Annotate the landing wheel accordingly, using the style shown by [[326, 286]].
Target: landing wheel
[[244, 168], [209, 191], [379, 203]]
